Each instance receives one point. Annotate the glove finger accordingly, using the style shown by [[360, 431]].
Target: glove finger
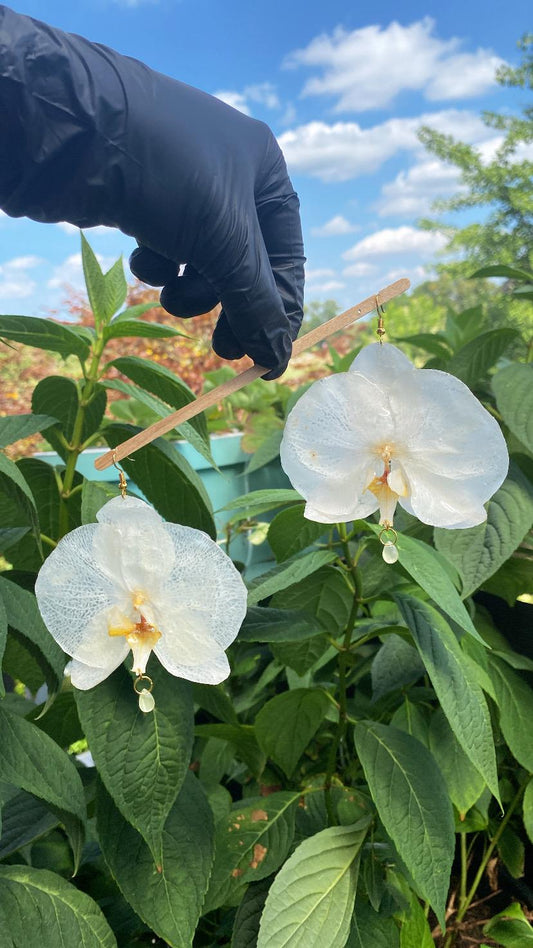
[[152, 268], [225, 343], [188, 295]]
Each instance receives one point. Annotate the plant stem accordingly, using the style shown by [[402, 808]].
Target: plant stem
[[343, 669], [464, 868]]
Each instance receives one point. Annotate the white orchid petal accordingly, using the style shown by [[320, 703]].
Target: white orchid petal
[[381, 361], [442, 501], [136, 555], [85, 676], [210, 672]]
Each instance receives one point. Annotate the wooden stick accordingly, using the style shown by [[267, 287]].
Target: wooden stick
[[211, 398]]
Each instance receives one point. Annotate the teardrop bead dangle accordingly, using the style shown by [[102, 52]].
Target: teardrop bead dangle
[[390, 552], [146, 701]]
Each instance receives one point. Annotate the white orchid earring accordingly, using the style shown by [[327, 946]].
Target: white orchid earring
[[133, 582], [386, 433]]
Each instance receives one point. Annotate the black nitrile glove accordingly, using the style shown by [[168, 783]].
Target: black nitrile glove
[[92, 137]]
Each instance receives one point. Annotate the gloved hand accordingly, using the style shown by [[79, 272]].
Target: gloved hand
[[93, 137]]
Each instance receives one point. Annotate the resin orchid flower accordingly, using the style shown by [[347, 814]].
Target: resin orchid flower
[[133, 582], [387, 433]]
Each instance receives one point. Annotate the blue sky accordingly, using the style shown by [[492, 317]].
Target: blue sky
[[344, 86]]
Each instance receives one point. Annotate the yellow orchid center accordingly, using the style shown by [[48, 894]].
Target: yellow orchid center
[[141, 636], [388, 487]]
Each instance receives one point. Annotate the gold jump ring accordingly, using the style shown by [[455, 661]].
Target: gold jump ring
[[143, 678]]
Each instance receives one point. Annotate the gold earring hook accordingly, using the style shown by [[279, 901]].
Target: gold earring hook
[[122, 482], [380, 331]]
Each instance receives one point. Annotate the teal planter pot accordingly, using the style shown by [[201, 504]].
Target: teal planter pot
[[222, 486]]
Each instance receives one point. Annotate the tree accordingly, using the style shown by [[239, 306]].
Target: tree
[[503, 184]]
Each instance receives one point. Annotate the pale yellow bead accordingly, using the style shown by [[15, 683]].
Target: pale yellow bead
[[390, 552], [146, 701]]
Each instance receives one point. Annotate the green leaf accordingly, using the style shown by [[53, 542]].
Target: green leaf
[[142, 758], [187, 430], [136, 328], [3, 640], [167, 894], [261, 501], [167, 480], [23, 615], [528, 809], [407, 788], [301, 656], [266, 452], [478, 552], [215, 700], [94, 282], [464, 782], [287, 723], [251, 843], [512, 852], [60, 396], [415, 931], [395, 665], [94, 495], [43, 334], [248, 917], [513, 579], [424, 564], [61, 721], [457, 689], [370, 929], [24, 819], [286, 574], [115, 289], [38, 907], [510, 928], [513, 388], [242, 736], [500, 270], [311, 900], [278, 625], [17, 492], [472, 362], [432, 342], [162, 383], [9, 536], [290, 532], [324, 594], [515, 701], [15, 427], [32, 761]]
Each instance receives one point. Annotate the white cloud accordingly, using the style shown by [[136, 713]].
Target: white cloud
[[263, 93], [98, 229], [311, 276], [344, 150], [367, 68], [70, 272], [360, 269], [335, 226], [326, 287], [399, 240], [413, 191], [14, 280]]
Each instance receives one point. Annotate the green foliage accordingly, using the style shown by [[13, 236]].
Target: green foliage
[[374, 716]]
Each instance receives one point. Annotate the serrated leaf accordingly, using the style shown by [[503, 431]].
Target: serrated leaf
[[251, 843], [290, 532], [415, 931], [324, 594], [286, 574], [263, 624], [137, 329], [43, 334], [115, 289], [395, 665], [141, 758], [311, 900], [513, 388], [472, 362], [457, 689], [167, 480], [215, 700], [370, 929], [18, 492], [60, 396], [94, 281], [261, 501], [15, 427], [61, 721], [515, 701], [23, 615], [94, 494], [167, 894], [464, 782], [248, 917], [407, 788], [38, 907], [9, 536], [266, 452], [513, 579], [186, 430], [242, 736], [161, 382], [478, 552], [3, 640], [24, 819], [301, 656], [288, 722], [510, 928]]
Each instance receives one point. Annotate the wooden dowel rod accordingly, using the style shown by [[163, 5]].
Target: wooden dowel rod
[[211, 398]]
